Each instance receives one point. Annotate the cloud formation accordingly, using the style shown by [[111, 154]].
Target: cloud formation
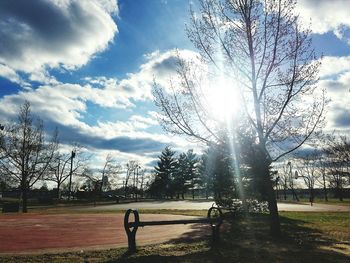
[[41, 34], [338, 109], [321, 14], [65, 105]]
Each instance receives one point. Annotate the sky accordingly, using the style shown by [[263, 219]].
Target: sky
[[87, 67]]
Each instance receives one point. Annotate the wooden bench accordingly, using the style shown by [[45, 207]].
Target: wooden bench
[[214, 219]]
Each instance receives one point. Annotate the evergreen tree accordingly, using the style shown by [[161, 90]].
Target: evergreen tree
[[217, 174], [192, 171], [186, 175], [180, 178], [164, 174]]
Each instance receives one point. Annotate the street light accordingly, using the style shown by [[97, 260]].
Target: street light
[[70, 174], [137, 180], [295, 196], [296, 175]]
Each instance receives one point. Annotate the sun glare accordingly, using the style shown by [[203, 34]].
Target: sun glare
[[223, 100]]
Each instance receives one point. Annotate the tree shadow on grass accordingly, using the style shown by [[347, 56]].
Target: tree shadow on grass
[[244, 239]]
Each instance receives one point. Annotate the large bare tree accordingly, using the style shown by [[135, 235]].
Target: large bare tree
[[26, 152], [259, 56]]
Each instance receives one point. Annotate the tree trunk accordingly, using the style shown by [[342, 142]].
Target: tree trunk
[[24, 199], [58, 191], [275, 229], [324, 188], [311, 195], [295, 196], [340, 190]]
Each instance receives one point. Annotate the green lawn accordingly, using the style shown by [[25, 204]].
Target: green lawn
[[307, 237], [331, 201]]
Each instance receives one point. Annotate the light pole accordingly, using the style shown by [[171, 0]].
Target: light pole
[[126, 180], [1, 138], [137, 180], [291, 181], [70, 174], [277, 180]]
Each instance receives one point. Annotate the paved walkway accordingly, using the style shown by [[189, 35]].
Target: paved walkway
[[35, 233], [197, 205]]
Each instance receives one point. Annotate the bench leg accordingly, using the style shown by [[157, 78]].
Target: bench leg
[[132, 242], [215, 235], [131, 234]]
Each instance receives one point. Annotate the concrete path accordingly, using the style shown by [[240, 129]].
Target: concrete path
[[35, 233], [198, 205]]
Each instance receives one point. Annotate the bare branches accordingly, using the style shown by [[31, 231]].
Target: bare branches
[[59, 168], [26, 154], [265, 55]]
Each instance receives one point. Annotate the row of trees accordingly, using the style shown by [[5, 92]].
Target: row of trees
[[326, 167], [214, 173], [29, 156], [175, 176]]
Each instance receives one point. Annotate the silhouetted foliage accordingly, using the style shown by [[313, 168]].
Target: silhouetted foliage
[[26, 153], [163, 183], [264, 54]]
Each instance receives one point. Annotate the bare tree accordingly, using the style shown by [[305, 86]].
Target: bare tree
[[262, 52], [337, 163], [310, 171], [131, 168], [144, 178], [27, 155], [110, 172], [60, 167], [284, 178]]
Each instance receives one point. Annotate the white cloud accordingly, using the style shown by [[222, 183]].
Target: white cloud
[[41, 34], [10, 74], [325, 15], [138, 86], [338, 92], [66, 105], [161, 67], [334, 65]]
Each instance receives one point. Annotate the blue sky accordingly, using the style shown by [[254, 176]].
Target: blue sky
[[87, 67]]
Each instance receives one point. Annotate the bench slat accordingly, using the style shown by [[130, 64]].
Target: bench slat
[[172, 222]]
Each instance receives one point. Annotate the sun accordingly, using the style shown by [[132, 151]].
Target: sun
[[223, 99]]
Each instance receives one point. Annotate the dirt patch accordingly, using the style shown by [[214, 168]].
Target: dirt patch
[[34, 233]]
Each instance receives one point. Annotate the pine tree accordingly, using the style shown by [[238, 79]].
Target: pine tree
[[165, 171]]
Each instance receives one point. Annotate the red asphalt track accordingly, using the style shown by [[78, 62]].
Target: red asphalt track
[[36, 233]]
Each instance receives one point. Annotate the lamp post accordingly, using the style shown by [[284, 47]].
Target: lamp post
[[1, 138], [277, 180], [291, 181], [126, 180], [137, 180], [70, 174]]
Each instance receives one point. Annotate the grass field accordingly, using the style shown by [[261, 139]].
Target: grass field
[[331, 201], [307, 237]]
